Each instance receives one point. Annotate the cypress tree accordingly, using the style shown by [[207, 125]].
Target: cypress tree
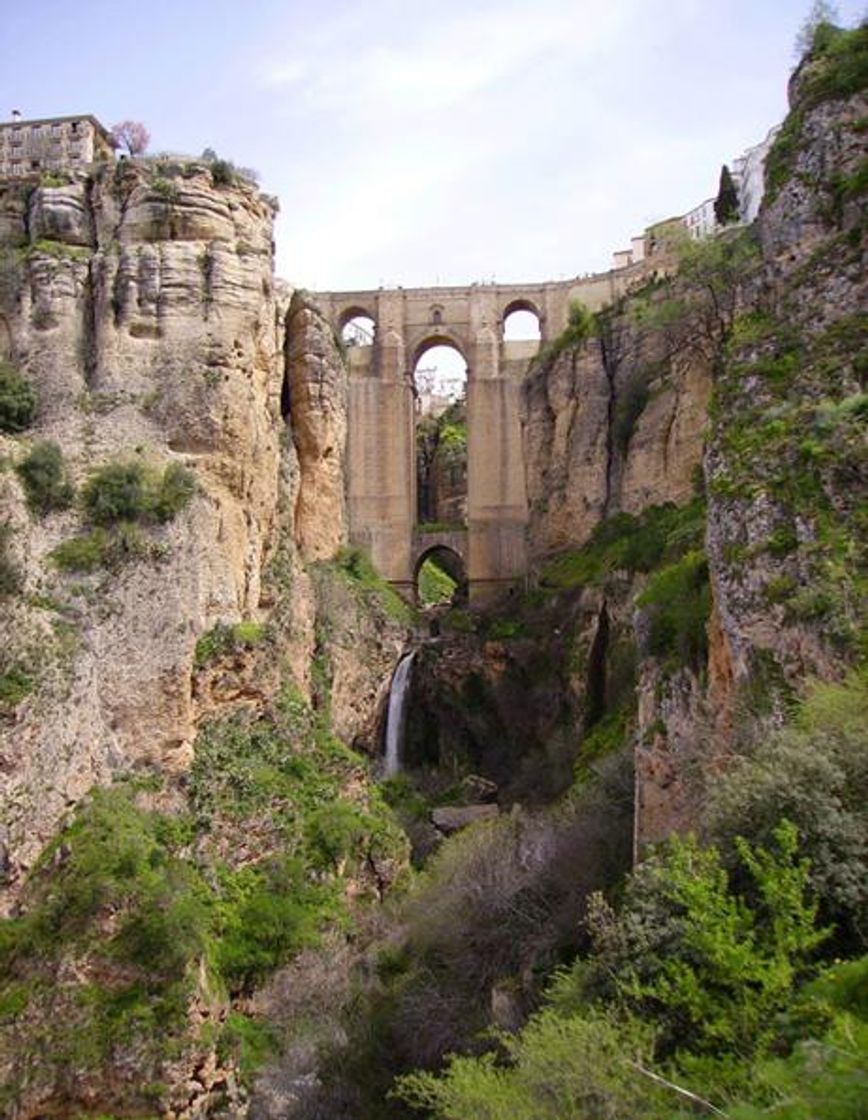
[[726, 203]]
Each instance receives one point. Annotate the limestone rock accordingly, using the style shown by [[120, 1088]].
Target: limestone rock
[[452, 818], [315, 401]]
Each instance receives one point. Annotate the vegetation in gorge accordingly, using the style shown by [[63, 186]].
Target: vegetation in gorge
[[724, 954], [163, 897]]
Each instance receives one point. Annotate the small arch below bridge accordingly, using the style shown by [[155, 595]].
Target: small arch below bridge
[[440, 568]]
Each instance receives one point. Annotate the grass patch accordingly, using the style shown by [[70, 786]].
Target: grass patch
[[15, 686], [677, 601], [354, 565], [628, 543], [224, 639]]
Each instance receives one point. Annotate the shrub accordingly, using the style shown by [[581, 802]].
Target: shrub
[[815, 773], [334, 833], [117, 492], [10, 574], [225, 638], [677, 600], [18, 400], [174, 493], [710, 966], [15, 685], [223, 173], [82, 554], [128, 492], [44, 477], [558, 1068], [267, 914]]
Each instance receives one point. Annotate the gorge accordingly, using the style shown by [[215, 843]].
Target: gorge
[[214, 904]]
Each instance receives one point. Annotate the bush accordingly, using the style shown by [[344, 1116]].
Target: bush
[[174, 493], [677, 601], [223, 173], [117, 492], [44, 478], [82, 554], [712, 967], [224, 639], [10, 575], [557, 1069], [128, 492], [15, 685], [627, 543], [814, 773], [267, 914], [18, 400]]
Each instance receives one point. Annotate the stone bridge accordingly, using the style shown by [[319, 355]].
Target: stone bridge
[[381, 487]]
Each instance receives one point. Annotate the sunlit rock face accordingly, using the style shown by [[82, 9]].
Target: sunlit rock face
[[142, 308]]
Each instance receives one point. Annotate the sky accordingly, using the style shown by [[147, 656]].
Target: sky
[[428, 143]]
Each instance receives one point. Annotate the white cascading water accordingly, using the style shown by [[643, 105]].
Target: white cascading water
[[396, 714]]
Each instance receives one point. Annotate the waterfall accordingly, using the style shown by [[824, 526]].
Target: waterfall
[[396, 715]]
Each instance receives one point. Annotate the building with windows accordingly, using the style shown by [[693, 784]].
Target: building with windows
[[53, 144]]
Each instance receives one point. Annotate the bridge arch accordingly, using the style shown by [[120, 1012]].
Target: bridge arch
[[448, 556], [521, 320], [443, 337], [357, 326]]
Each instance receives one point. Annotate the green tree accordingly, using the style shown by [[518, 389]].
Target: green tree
[[822, 14], [726, 204]]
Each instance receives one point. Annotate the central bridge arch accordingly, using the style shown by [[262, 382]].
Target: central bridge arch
[[382, 496]]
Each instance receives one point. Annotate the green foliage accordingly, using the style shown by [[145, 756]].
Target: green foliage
[[18, 400], [837, 66], [781, 159], [434, 584], [129, 492], [224, 639], [174, 492], [59, 250], [103, 549], [15, 685], [247, 1041], [265, 914], [354, 565], [677, 603], [581, 325], [823, 1071], [336, 832], [712, 968], [82, 554], [627, 543], [10, 574], [557, 1069], [726, 203], [813, 772], [45, 480]]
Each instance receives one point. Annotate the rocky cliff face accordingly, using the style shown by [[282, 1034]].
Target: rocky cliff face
[[141, 305], [616, 424], [748, 360]]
